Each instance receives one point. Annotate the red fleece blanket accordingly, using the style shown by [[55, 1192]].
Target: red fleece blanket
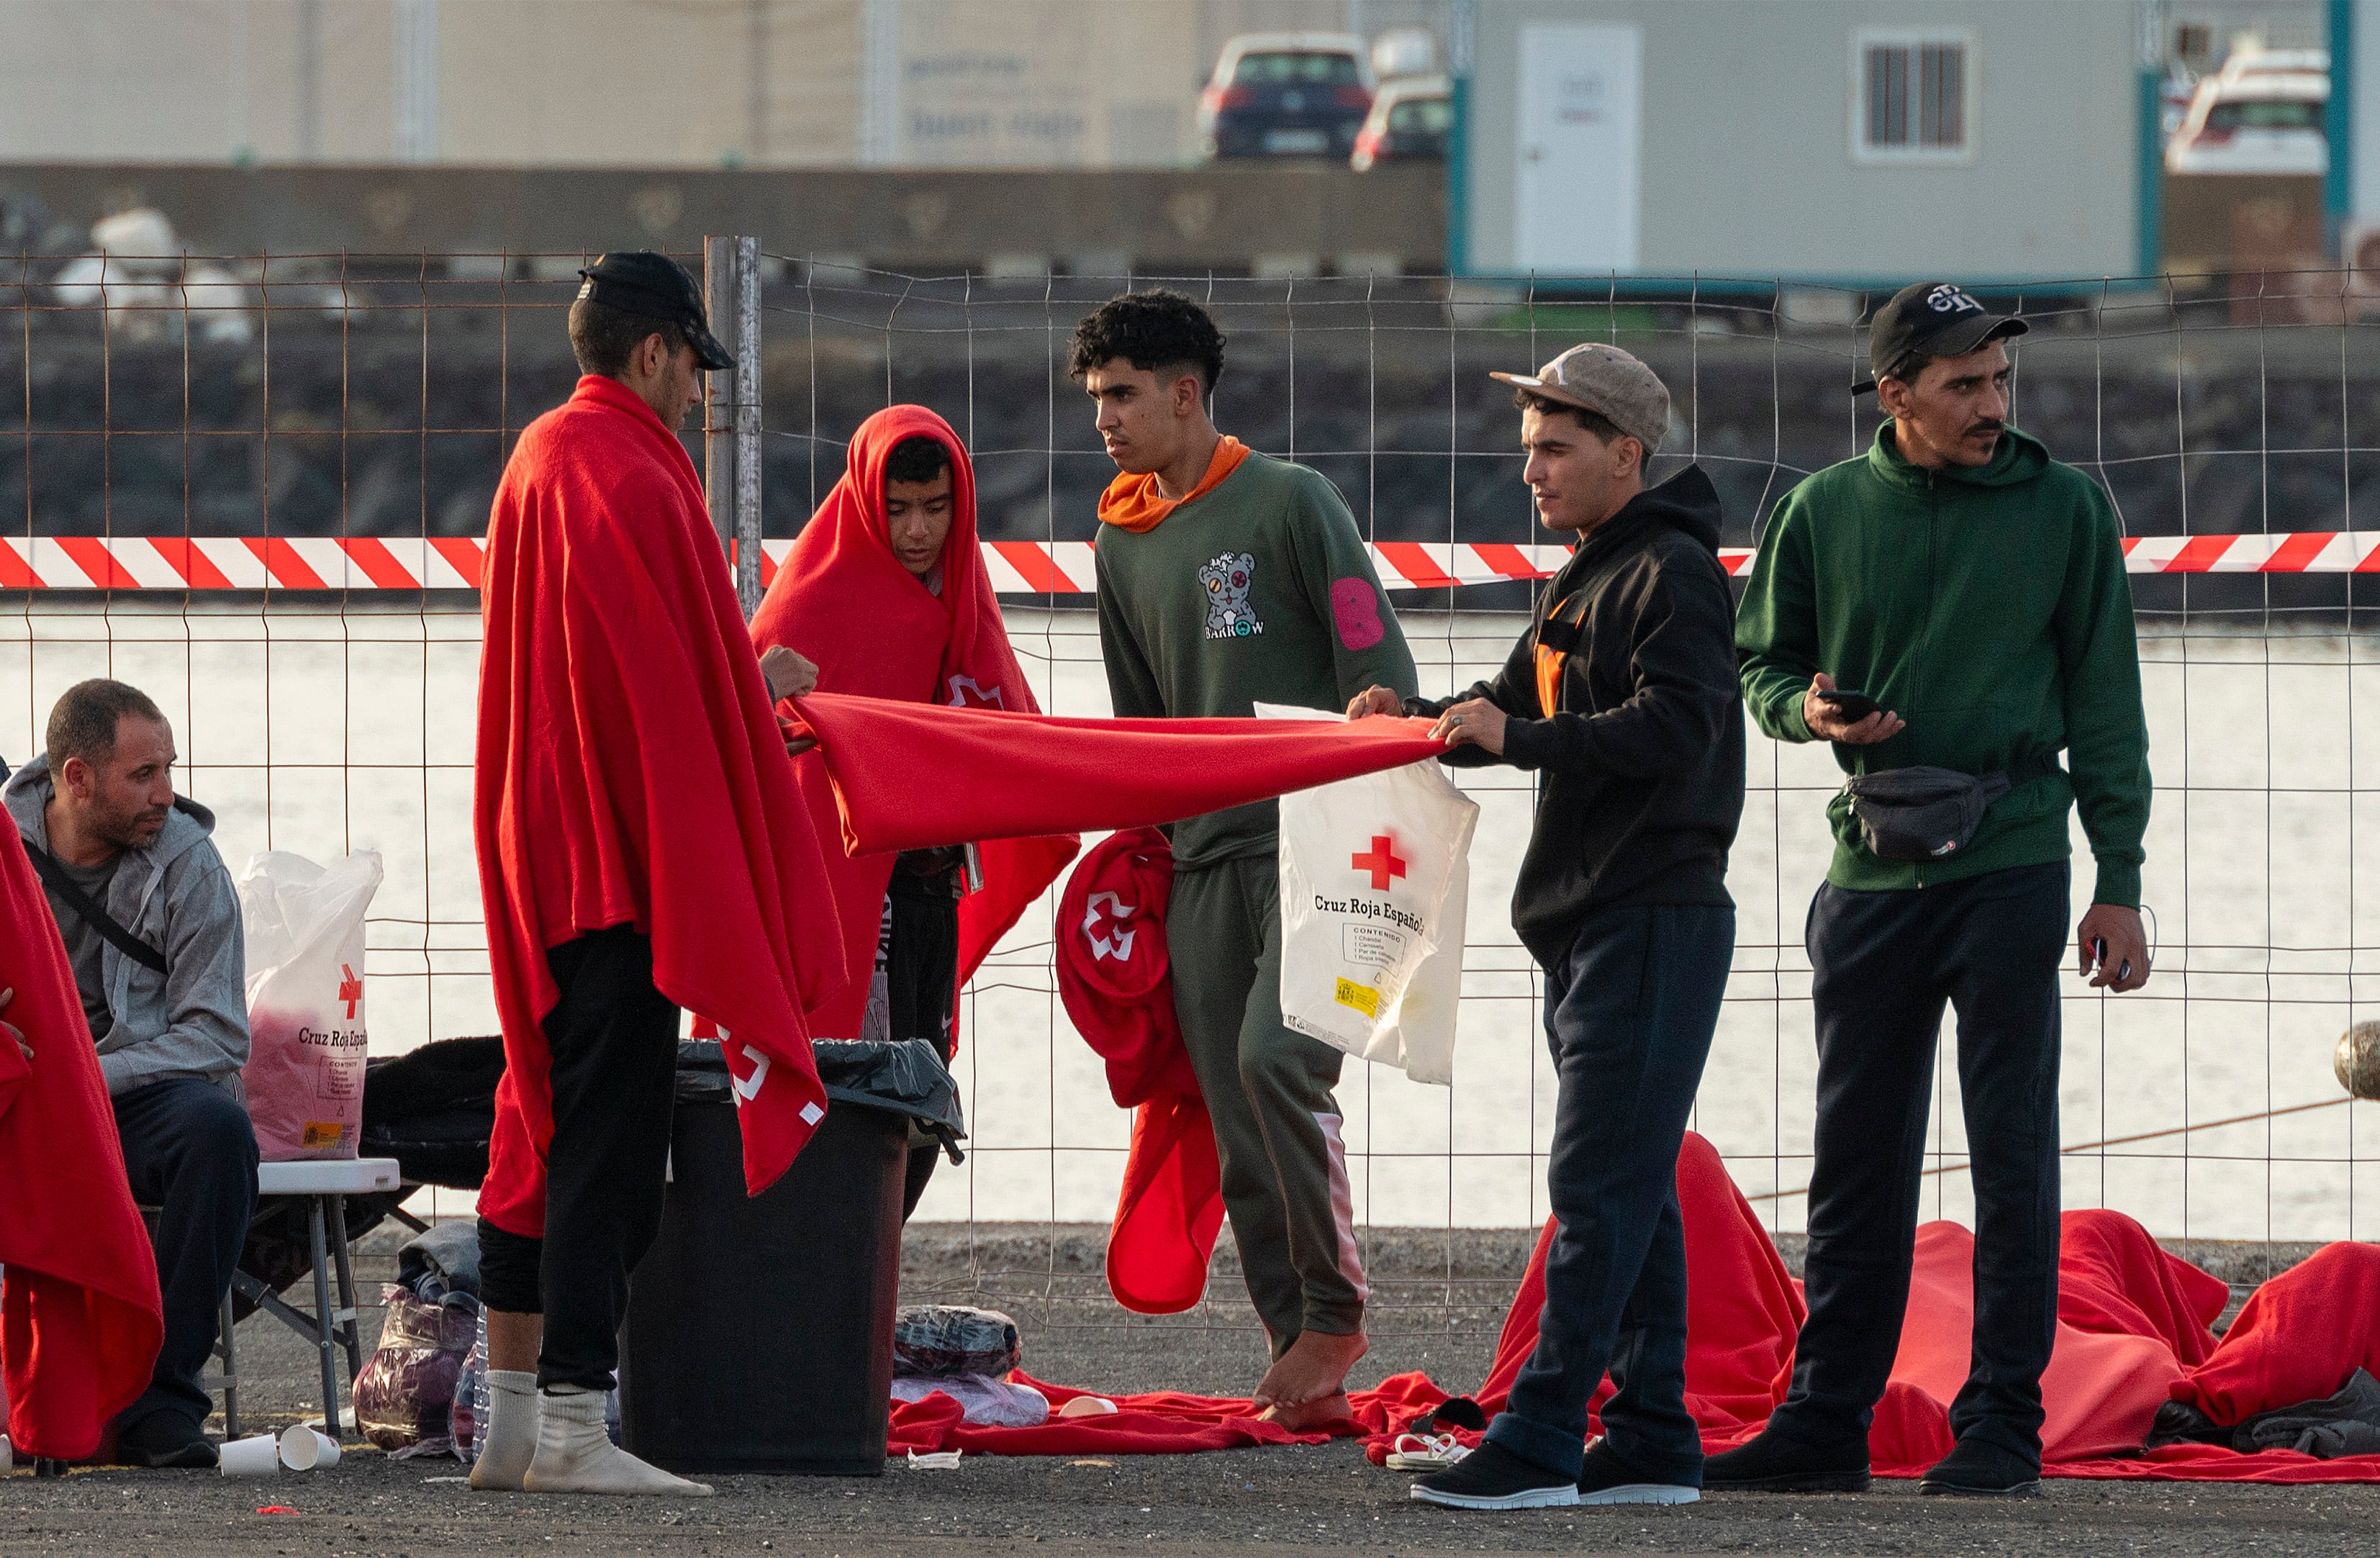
[[1116, 980], [79, 1322], [874, 630], [918, 776], [2129, 1314], [629, 771]]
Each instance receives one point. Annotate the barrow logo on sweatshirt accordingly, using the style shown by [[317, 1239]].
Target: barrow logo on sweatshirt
[[1227, 580]]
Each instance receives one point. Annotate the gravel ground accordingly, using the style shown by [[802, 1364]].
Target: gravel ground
[[1439, 1306]]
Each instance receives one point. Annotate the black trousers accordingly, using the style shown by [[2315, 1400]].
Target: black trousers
[[190, 1151], [1629, 1020], [614, 1039], [1886, 963], [921, 976]]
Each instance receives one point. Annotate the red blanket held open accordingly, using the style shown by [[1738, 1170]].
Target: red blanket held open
[[2132, 1331], [917, 775], [80, 1322], [875, 630], [629, 771]]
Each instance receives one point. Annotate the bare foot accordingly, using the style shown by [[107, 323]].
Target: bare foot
[[1314, 1415], [1315, 1367], [1267, 1391]]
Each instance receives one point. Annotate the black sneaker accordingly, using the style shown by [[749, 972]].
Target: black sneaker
[[1775, 1463], [1977, 1469], [1493, 1477], [165, 1441], [1605, 1480]]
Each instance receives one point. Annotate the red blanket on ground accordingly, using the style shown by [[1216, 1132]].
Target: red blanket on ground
[[629, 770], [874, 630], [79, 1322], [918, 776], [2129, 1314]]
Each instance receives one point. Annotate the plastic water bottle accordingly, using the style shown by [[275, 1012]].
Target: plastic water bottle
[[470, 1407]]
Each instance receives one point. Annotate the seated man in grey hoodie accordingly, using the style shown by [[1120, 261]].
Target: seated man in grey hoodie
[[151, 925]]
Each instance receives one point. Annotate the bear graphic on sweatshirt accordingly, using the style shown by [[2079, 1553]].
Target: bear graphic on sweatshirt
[[1227, 580]]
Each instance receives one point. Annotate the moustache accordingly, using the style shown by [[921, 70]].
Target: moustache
[[1991, 425]]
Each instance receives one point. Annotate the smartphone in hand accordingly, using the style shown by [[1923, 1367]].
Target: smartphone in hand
[[1850, 706], [2099, 960]]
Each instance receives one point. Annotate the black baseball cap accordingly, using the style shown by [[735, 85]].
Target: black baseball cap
[[653, 285], [1931, 319]]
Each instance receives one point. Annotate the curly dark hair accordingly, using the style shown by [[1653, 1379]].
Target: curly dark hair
[[1153, 331], [917, 459]]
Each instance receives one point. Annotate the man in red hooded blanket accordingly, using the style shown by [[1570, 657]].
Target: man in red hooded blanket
[[642, 848], [885, 592]]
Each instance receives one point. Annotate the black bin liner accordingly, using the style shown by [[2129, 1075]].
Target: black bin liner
[[433, 1109], [759, 1329]]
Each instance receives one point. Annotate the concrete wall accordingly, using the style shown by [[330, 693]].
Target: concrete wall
[[1245, 216], [636, 84], [1746, 163]]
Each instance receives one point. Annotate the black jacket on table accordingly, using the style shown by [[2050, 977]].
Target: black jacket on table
[[1643, 752]]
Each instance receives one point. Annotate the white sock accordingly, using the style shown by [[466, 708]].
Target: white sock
[[575, 1456], [508, 1438]]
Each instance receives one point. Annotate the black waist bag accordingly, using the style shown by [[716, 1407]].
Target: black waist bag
[[1918, 814]]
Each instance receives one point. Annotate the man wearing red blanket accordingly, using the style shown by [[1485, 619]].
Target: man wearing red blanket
[[641, 847], [886, 590]]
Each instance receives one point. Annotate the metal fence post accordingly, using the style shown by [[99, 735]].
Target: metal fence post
[[748, 424], [731, 422]]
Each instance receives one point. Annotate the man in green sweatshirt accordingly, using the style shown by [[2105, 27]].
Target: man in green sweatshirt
[[1952, 604], [1226, 576]]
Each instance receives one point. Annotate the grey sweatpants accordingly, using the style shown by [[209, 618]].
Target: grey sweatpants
[[1267, 1090]]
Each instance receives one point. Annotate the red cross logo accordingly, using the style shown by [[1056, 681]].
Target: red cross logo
[[351, 990], [1381, 862], [968, 693]]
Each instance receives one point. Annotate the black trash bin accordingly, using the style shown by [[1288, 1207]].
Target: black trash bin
[[759, 1330]]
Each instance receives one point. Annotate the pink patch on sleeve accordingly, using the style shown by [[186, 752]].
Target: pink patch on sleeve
[[1356, 607]]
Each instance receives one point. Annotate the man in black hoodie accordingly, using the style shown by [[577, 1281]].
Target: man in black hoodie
[[1623, 694]]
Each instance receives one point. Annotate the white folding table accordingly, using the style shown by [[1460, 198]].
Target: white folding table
[[324, 1187]]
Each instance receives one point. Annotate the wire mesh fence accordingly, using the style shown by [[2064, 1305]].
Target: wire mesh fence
[[254, 487]]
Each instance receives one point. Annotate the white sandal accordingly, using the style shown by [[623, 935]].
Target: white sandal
[[1429, 1451]]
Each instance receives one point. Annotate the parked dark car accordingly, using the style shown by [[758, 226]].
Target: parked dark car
[[1286, 94], [1410, 121]]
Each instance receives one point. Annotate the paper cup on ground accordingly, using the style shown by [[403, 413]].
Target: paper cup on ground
[[1087, 1406], [258, 1455], [307, 1449]]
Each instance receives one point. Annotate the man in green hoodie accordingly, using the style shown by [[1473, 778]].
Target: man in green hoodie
[[1226, 576], [1952, 604]]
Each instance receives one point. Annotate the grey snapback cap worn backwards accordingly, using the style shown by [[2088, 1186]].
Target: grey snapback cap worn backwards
[[1609, 382]]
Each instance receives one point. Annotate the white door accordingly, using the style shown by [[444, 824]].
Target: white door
[[1581, 115]]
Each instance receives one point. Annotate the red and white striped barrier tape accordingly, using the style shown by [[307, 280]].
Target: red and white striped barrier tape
[[1016, 567]]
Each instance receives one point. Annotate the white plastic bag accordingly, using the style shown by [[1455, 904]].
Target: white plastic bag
[[306, 1024], [1374, 882]]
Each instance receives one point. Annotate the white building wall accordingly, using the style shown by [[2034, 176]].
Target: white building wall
[[1747, 165]]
